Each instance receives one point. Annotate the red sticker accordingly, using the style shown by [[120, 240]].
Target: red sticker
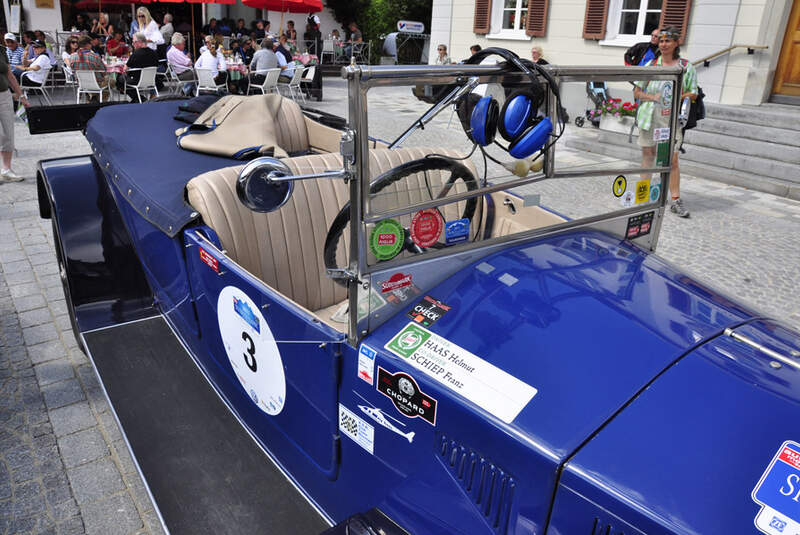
[[791, 457], [209, 260], [395, 282], [426, 227]]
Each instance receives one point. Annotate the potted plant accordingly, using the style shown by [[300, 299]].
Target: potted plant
[[616, 116]]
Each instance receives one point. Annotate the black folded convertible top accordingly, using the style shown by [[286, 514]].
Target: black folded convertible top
[[135, 146]]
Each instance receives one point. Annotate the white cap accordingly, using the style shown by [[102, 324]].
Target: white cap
[[10, 37]]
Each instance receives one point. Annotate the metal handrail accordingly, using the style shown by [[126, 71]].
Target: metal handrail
[[706, 61]]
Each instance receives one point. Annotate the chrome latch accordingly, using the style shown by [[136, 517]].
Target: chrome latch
[[347, 148], [341, 274]]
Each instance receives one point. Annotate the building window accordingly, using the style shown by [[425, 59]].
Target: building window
[[515, 14], [638, 17]]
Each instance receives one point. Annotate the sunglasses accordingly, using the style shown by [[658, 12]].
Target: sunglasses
[[142, 17]]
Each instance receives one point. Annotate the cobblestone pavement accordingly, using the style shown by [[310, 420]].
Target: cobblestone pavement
[[64, 467]]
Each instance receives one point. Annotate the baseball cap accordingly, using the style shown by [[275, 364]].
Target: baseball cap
[[39, 44], [10, 37]]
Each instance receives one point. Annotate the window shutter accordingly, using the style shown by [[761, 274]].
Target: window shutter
[[594, 22], [675, 13], [536, 25], [483, 15]]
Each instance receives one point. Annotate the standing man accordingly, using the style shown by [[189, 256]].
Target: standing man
[[643, 53], [167, 29]]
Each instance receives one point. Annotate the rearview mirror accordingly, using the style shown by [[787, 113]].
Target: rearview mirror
[[257, 188]]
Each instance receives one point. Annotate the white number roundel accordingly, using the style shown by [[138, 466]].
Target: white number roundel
[[251, 349]]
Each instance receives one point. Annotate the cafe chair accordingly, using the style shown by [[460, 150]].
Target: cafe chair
[[293, 86], [88, 84], [146, 84], [270, 83], [205, 82]]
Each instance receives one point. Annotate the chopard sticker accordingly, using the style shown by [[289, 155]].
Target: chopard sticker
[[209, 260], [366, 363], [406, 395], [642, 191], [479, 381], [456, 231], [778, 492], [655, 192], [426, 227], [383, 419], [619, 186], [395, 282], [386, 239], [627, 199], [639, 225], [357, 429], [428, 311]]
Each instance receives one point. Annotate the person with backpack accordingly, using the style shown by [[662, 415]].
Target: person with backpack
[[643, 53], [655, 111]]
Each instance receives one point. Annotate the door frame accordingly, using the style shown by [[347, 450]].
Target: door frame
[[792, 22]]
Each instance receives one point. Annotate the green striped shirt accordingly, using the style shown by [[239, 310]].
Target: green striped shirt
[[647, 109]]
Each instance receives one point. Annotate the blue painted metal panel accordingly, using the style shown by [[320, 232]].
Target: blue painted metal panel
[[685, 456]]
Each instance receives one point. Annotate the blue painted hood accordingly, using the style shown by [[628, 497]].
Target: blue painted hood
[[685, 456], [586, 319]]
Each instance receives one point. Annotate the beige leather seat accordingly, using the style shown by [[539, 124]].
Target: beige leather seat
[[285, 248]]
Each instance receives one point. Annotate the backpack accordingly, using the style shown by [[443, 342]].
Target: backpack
[[697, 111]]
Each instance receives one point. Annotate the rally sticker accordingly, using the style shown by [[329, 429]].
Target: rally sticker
[[357, 429], [479, 381], [655, 192], [639, 225], [406, 395], [778, 492], [395, 282], [383, 419], [660, 134], [366, 363], [627, 199], [619, 186], [428, 311], [251, 350], [386, 239], [456, 231], [426, 227], [208, 260], [642, 191]]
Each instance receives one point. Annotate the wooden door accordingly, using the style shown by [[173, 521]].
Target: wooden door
[[787, 75]]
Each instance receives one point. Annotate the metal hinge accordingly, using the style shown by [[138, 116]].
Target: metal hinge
[[347, 148], [341, 274]]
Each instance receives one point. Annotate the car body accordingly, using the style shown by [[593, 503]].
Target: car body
[[560, 380]]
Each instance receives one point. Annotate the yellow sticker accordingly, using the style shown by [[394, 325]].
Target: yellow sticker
[[620, 185], [642, 191]]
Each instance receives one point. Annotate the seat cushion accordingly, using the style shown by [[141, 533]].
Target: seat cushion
[[285, 248]]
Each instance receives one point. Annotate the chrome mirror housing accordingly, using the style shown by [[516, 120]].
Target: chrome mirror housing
[[257, 187]]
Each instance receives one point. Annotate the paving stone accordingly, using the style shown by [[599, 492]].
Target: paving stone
[[153, 523], [34, 317], [110, 427], [24, 290], [41, 248], [20, 277], [40, 333], [72, 418], [94, 481], [16, 267], [124, 458], [116, 515], [58, 306], [58, 491], [54, 371], [82, 447], [72, 526], [65, 510], [62, 393], [41, 258], [47, 351], [29, 302]]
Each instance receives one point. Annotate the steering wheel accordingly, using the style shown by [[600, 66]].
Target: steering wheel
[[433, 163]]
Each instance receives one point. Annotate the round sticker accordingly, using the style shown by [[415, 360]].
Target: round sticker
[[386, 239], [619, 186], [655, 192], [251, 349], [426, 227]]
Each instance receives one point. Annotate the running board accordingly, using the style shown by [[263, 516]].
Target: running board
[[205, 473]]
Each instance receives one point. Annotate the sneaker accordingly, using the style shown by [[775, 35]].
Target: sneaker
[[678, 208], [7, 175]]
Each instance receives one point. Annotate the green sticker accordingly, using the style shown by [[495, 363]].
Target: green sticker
[[662, 153], [408, 340], [386, 239]]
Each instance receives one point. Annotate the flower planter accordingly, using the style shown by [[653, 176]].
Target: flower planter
[[611, 123]]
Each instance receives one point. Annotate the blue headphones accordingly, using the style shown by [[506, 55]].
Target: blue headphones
[[517, 121]]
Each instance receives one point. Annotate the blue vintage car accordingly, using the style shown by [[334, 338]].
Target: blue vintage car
[[466, 358]]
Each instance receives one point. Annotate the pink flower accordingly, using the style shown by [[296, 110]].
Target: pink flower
[[616, 114]]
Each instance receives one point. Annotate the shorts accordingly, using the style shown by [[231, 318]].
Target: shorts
[[646, 139], [6, 122]]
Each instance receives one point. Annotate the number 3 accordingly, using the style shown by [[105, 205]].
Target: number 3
[[250, 356]]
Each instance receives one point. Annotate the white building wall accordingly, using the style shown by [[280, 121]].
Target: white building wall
[[441, 18], [713, 25], [48, 20]]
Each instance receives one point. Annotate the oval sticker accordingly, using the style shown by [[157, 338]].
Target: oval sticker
[[251, 350]]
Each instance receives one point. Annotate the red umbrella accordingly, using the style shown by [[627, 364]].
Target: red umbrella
[[291, 6], [91, 5]]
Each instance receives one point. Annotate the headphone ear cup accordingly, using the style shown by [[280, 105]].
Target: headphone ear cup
[[483, 122], [464, 110], [531, 140], [516, 114]]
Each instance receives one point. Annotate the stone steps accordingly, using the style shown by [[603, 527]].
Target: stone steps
[[772, 115], [747, 131]]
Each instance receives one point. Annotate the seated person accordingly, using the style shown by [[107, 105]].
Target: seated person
[[286, 67], [263, 59], [241, 30], [180, 61], [70, 47], [97, 47], [39, 68], [142, 57], [14, 53], [84, 59], [208, 39], [29, 55], [213, 61], [283, 48], [260, 31], [116, 46], [245, 50]]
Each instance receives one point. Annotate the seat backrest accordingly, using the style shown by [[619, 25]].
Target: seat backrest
[[147, 78], [87, 80], [205, 78], [271, 78], [308, 74], [285, 248], [297, 76], [327, 45]]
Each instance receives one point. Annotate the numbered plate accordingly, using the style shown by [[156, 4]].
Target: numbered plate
[[251, 349]]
